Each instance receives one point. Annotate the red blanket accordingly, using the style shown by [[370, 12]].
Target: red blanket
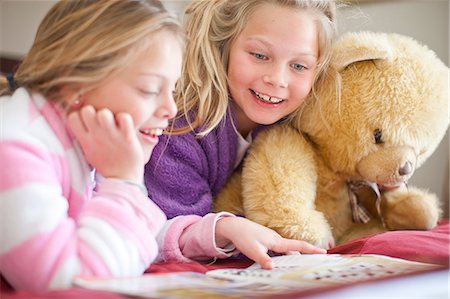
[[423, 246]]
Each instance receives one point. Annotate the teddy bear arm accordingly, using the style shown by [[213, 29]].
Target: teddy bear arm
[[279, 182]]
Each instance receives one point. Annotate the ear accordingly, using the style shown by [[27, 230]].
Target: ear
[[359, 46]]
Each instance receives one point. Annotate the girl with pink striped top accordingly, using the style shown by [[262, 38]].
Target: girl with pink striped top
[[80, 119]]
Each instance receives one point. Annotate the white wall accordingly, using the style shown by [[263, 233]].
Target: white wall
[[19, 20], [426, 21]]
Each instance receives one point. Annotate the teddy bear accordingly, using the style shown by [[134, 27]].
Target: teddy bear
[[339, 169]]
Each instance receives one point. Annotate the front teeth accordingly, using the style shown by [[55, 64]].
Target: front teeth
[[267, 98], [156, 132]]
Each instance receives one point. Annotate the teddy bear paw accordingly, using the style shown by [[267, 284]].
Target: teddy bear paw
[[414, 209], [315, 235]]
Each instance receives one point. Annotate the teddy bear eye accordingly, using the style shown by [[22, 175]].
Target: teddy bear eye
[[377, 134]]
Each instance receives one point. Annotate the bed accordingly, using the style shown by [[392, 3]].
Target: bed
[[423, 246]]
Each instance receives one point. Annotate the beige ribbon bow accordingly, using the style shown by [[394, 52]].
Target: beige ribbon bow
[[360, 213]]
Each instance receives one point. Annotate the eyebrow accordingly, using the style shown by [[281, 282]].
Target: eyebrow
[[153, 76], [270, 46]]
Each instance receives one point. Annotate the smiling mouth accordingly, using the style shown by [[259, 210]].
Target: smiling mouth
[[267, 98]]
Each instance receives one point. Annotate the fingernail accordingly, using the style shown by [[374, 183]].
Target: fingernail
[[268, 265]]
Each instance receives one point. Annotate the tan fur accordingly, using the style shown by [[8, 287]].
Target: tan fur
[[294, 179]]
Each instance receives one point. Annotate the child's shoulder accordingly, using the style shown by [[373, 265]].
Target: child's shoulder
[[24, 123], [18, 111]]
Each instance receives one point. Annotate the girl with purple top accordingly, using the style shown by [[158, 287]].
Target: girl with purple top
[[80, 118], [248, 63]]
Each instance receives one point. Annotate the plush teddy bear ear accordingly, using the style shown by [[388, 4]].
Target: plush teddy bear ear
[[359, 46]]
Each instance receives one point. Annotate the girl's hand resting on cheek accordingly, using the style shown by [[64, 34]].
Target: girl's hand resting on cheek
[[254, 240], [109, 142]]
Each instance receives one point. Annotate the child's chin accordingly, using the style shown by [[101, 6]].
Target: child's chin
[[148, 153]]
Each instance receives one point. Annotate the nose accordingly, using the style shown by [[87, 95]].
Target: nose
[[168, 108], [277, 76], [406, 169]]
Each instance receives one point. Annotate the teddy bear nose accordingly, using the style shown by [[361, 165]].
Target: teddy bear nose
[[405, 169]]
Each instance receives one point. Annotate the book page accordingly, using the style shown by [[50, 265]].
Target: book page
[[180, 285], [317, 270], [291, 273]]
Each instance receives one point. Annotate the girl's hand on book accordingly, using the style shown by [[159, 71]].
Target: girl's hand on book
[[109, 142], [255, 240]]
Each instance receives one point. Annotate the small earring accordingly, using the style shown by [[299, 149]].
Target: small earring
[[77, 102], [75, 105]]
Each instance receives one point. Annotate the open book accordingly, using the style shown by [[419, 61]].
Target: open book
[[300, 274]]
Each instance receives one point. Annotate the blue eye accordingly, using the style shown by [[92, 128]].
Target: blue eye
[[298, 66], [259, 56]]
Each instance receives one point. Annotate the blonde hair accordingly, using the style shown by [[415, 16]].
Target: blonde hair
[[211, 27], [80, 43]]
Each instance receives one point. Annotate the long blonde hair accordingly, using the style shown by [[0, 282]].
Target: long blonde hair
[[81, 42], [211, 27]]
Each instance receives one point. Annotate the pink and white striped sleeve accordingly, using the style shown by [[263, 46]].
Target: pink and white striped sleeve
[[52, 227], [43, 248]]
